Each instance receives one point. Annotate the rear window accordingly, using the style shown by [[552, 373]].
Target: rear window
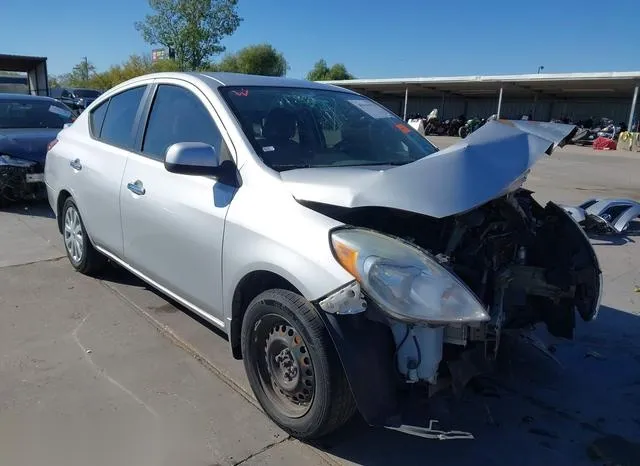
[[86, 93], [32, 113]]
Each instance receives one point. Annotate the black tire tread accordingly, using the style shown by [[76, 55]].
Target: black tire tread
[[342, 406]]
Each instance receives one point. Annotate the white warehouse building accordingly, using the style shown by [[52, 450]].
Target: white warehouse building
[[546, 96]]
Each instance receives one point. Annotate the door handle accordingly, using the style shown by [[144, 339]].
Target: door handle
[[75, 164], [136, 188]]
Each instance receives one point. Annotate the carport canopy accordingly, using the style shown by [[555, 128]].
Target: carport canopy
[[549, 85], [35, 67]]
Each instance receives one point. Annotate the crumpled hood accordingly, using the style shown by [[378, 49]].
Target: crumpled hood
[[487, 164], [28, 144]]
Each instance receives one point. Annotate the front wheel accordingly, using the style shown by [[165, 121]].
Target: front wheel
[[463, 132], [293, 367]]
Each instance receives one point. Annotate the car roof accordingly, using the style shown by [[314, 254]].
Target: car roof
[[221, 79], [14, 96]]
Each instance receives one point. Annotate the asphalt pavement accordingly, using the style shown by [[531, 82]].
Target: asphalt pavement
[[109, 372]]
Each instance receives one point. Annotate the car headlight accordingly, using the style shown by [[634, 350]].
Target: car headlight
[[9, 161], [405, 282]]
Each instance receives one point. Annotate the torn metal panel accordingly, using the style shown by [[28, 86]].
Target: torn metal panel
[[489, 163], [346, 300]]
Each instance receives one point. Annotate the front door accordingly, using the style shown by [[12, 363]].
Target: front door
[[172, 225]]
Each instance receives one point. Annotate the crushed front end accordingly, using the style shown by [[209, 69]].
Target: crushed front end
[[503, 267], [20, 180]]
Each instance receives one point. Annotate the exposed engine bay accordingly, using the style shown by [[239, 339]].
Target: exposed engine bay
[[526, 263]]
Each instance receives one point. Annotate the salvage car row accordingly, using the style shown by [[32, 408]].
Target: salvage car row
[[320, 232]]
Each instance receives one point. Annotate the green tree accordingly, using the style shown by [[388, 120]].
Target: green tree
[[322, 72], [136, 65], [53, 82], [192, 29], [260, 59], [80, 75]]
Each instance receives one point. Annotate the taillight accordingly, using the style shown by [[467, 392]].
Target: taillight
[[51, 144]]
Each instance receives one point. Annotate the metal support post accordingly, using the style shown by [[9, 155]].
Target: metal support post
[[499, 103], [406, 100], [633, 107]]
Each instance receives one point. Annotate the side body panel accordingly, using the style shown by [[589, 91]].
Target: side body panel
[[266, 229]]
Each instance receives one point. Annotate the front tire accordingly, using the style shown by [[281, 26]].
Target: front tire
[[81, 253], [293, 367]]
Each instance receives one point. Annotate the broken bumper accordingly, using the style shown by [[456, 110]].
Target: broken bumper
[[21, 180], [605, 215]]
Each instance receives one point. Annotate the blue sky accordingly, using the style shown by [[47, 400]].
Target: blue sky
[[372, 38]]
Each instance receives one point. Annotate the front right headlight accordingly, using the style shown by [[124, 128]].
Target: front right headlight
[[406, 283]]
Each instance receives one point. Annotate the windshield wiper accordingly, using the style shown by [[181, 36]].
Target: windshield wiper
[[393, 162], [291, 166]]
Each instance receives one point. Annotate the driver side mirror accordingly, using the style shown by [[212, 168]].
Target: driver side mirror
[[193, 158]]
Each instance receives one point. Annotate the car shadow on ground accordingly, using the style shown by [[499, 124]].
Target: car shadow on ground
[[628, 236], [118, 275], [534, 411], [567, 408], [32, 209]]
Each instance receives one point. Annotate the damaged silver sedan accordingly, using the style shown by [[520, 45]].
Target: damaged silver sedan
[[345, 256]]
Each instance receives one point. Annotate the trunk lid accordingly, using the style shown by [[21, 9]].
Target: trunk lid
[[27, 143]]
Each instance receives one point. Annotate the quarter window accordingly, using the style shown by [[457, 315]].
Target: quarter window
[[177, 115], [96, 118], [117, 128]]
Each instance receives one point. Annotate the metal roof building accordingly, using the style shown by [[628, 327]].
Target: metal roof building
[[542, 96], [35, 69]]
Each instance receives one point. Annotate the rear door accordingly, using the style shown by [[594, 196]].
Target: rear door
[[173, 224], [99, 165]]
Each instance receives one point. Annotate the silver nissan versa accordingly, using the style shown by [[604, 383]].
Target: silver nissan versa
[[346, 257]]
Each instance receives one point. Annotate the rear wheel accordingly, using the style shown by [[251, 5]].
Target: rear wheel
[[293, 367], [81, 253]]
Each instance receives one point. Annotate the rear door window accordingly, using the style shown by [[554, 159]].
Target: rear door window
[[118, 126]]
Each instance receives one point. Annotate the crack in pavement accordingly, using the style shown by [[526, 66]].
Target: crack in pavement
[[104, 374], [267, 447], [167, 332], [51, 259]]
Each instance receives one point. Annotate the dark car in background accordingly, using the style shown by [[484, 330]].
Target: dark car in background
[[75, 98], [28, 124]]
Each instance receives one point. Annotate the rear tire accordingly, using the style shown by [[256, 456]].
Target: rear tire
[[293, 367], [81, 253]]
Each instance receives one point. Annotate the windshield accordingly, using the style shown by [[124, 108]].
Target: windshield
[[32, 113], [297, 127], [86, 93]]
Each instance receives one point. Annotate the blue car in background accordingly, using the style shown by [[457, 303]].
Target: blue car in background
[[28, 123]]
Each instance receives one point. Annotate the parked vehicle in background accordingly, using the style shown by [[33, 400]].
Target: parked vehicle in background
[[75, 98], [85, 96], [470, 126], [346, 257], [27, 125]]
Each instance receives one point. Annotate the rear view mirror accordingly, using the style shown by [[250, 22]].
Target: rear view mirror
[[192, 158]]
